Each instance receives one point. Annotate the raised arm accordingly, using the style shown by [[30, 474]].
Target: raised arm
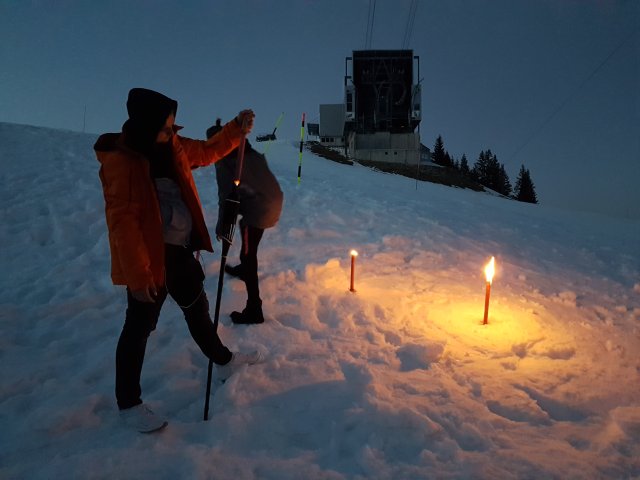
[[202, 153]]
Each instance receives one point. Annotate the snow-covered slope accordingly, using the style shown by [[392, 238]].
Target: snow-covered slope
[[396, 381]]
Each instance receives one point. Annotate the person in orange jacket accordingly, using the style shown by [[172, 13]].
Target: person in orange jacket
[[155, 223]]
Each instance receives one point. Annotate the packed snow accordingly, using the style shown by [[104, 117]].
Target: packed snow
[[397, 380]]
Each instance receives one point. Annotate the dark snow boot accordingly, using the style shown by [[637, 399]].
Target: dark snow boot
[[252, 314], [237, 271]]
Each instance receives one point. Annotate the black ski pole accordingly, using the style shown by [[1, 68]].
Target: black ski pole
[[229, 217], [230, 214]]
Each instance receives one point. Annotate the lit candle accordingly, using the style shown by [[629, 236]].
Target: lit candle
[[354, 254], [489, 270]]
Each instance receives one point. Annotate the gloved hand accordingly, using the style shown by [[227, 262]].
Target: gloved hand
[[245, 120], [147, 294]]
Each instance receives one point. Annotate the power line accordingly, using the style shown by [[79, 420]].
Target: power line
[[574, 92]]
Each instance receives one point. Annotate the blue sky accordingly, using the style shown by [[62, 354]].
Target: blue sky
[[551, 84]]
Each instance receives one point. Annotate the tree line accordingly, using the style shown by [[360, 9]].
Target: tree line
[[487, 171]]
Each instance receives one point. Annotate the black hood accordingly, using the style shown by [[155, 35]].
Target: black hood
[[148, 111]]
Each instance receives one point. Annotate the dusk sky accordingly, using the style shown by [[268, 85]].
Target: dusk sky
[[551, 84]]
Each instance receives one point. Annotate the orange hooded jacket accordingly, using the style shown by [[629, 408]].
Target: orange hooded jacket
[[132, 208]]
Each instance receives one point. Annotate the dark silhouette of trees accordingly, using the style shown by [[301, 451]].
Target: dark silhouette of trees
[[505, 184], [464, 166], [489, 172], [448, 162], [525, 190], [440, 156], [482, 169]]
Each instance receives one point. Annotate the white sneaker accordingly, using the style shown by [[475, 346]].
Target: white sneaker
[[142, 419], [238, 360]]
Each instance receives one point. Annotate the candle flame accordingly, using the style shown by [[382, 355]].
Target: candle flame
[[490, 269], [354, 253], [236, 182]]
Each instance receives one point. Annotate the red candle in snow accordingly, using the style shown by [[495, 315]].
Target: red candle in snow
[[354, 254], [489, 270]]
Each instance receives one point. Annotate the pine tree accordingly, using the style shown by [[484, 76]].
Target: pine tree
[[438, 154], [479, 168], [494, 179], [505, 184], [489, 172], [448, 162], [464, 165], [524, 189], [484, 170]]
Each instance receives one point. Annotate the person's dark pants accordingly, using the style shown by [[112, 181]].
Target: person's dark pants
[[184, 282], [251, 237]]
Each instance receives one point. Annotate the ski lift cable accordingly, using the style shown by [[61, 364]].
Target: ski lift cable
[[373, 19], [406, 27], [413, 21], [370, 22], [410, 21], [408, 30], [366, 35], [405, 40]]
